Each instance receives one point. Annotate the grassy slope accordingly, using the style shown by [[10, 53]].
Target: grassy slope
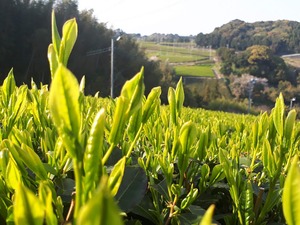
[[185, 57]]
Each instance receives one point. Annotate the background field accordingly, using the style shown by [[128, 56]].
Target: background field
[[204, 70], [187, 59]]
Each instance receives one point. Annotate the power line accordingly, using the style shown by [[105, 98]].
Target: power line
[[98, 51]]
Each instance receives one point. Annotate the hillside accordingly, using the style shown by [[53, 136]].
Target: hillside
[[281, 36]]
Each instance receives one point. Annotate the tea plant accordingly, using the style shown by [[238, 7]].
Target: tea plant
[[67, 158]]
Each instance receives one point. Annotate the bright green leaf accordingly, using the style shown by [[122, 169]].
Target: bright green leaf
[[217, 174], [115, 178], [291, 195], [28, 209], [133, 90], [151, 103], [8, 87], [69, 36], [119, 121], [172, 104], [101, 208], [63, 102], [278, 114], [188, 133], [53, 60], [179, 93], [32, 161], [13, 174], [208, 216], [268, 158], [289, 124], [55, 35]]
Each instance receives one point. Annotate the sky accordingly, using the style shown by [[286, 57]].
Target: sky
[[186, 17]]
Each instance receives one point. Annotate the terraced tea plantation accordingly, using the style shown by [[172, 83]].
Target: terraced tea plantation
[[67, 158], [187, 59]]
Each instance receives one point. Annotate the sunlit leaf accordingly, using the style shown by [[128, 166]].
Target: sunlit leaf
[[188, 134], [133, 90], [28, 209], [207, 218], [32, 161], [53, 60], [63, 102], [291, 195], [115, 178], [179, 93], [69, 36], [55, 35], [101, 209], [289, 124], [278, 114], [13, 174]]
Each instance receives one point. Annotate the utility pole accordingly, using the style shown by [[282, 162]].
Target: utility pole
[[112, 65], [111, 49], [112, 69], [291, 103]]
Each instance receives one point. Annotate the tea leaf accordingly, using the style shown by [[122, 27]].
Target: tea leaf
[[179, 93], [101, 209], [134, 124], [28, 210], [291, 195], [94, 150], [45, 196], [32, 161], [268, 159], [217, 174], [53, 60], [188, 133], [133, 90], [289, 124], [278, 114], [172, 104], [119, 119], [8, 87], [151, 103], [13, 174], [63, 102], [246, 202], [115, 178], [132, 189], [69, 36], [207, 218], [55, 35]]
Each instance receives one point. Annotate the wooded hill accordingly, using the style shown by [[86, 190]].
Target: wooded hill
[[282, 36]]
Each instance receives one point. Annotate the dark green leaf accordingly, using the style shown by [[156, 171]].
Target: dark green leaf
[[146, 209], [132, 188]]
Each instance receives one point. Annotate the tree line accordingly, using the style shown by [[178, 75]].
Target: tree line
[[282, 36], [26, 34]]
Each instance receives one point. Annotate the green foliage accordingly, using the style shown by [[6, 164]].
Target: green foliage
[[70, 158], [197, 70], [101, 209], [279, 35], [291, 194], [257, 60], [28, 209], [25, 43]]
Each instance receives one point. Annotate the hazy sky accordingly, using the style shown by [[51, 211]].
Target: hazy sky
[[186, 17]]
